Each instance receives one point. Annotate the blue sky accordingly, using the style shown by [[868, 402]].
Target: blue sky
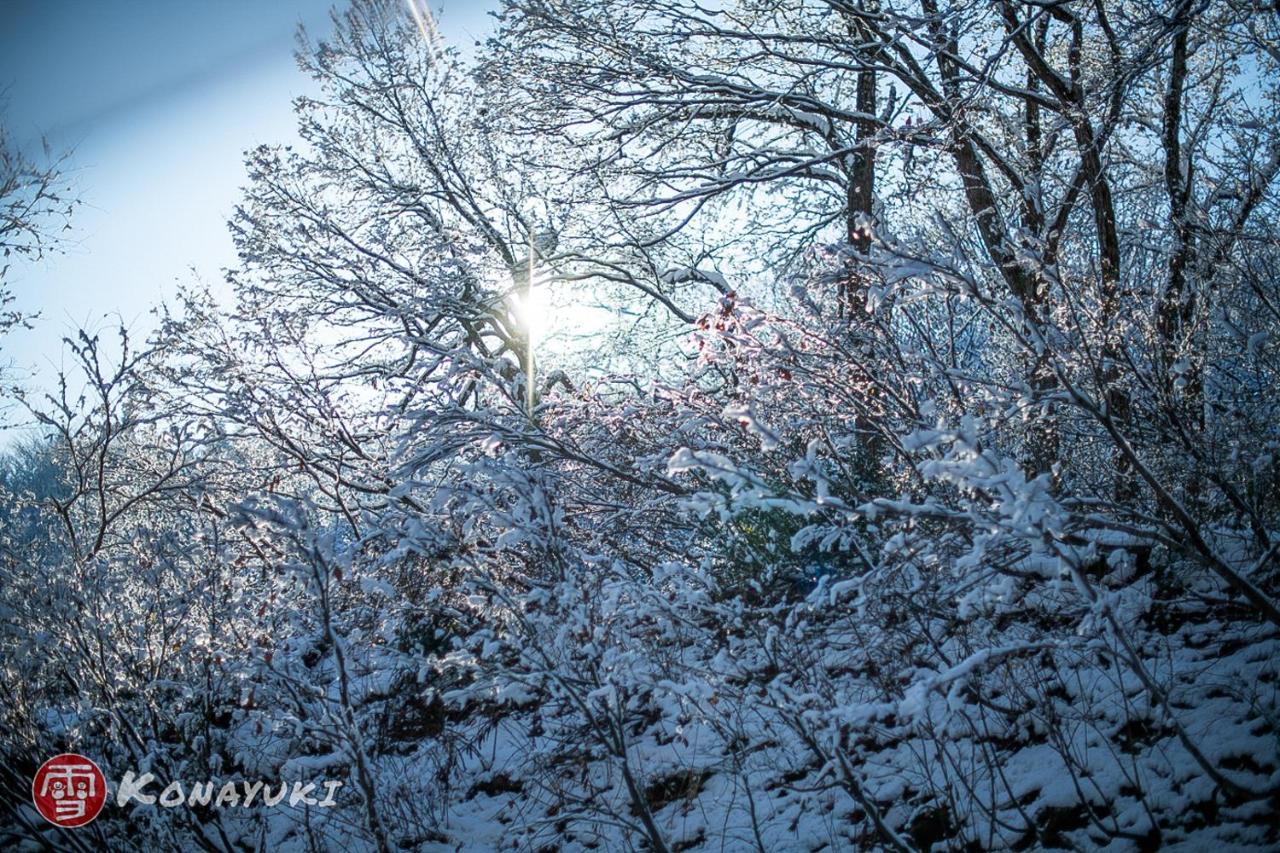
[[156, 100]]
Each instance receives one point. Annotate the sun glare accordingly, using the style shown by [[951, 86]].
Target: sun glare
[[563, 321], [533, 311], [426, 24]]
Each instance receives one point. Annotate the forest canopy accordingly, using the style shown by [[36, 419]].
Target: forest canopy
[[920, 491]]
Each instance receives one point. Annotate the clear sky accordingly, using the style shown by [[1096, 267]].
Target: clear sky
[[157, 100]]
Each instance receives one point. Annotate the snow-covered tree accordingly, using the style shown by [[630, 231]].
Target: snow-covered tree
[[925, 500]]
